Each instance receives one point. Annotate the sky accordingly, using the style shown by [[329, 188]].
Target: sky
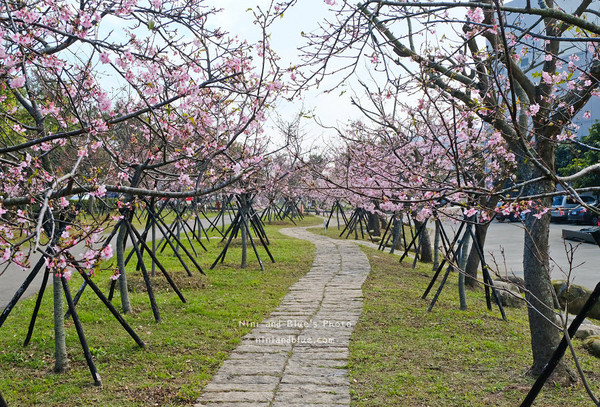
[[332, 108]]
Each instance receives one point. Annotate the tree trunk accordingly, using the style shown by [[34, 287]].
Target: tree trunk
[[436, 247], [374, 226], [153, 247], [121, 237], [243, 226], [61, 361], [544, 336], [178, 228], [396, 244], [426, 252], [125, 303], [473, 261], [462, 263]]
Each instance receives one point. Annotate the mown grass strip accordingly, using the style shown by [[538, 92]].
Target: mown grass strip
[[183, 351], [401, 355]]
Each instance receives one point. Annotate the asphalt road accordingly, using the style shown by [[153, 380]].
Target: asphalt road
[[504, 253], [13, 277]]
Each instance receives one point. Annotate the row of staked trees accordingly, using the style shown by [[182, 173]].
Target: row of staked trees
[[464, 102], [127, 99], [150, 99]]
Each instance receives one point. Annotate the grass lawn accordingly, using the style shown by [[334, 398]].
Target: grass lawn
[[182, 352], [401, 355]]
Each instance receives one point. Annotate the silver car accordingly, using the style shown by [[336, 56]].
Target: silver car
[[562, 204]]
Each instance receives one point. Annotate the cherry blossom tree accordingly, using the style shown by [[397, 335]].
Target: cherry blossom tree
[[411, 163], [524, 70], [134, 98]]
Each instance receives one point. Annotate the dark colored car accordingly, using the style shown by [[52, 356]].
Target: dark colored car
[[582, 215], [562, 205]]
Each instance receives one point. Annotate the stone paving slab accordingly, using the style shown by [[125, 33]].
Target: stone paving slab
[[245, 379], [322, 380], [236, 404], [304, 404], [298, 355]]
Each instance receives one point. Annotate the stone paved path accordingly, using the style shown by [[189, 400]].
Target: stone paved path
[[298, 356]]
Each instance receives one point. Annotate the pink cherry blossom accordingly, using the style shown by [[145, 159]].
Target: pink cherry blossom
[[17, 82], [99, 192], [6, 255], [105, 58], [533, 109], [470, 212], [106, 253], [475, 15], [104, 103]]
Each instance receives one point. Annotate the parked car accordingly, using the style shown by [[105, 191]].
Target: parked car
[[583, 215], [561, 205]]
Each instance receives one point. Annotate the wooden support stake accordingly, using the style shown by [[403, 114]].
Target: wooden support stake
[[160, 266], [107, 302], [36, 309], [20, 291], [147, 281], [80, 334]]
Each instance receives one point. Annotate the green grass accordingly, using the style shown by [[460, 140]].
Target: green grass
[[336, 231], [401, 355], [182, 352], [167, 215]]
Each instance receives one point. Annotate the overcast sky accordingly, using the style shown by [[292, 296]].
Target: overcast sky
[[331, 108]]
